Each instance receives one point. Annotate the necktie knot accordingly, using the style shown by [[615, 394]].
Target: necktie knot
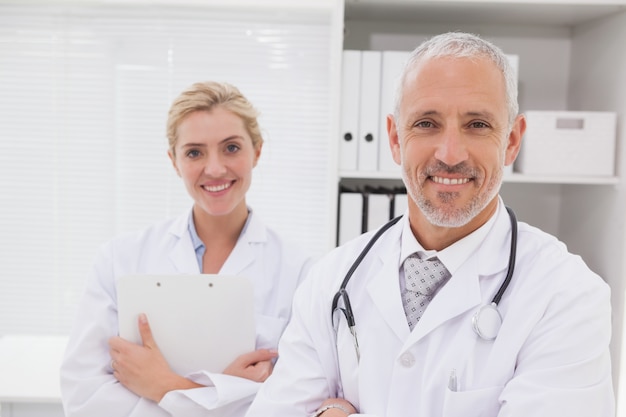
[[423, 277]]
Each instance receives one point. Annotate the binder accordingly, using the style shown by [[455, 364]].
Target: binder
[[350, 97], [369, 111], [350, 216], [378, 210], [392, 65], [401, 203]]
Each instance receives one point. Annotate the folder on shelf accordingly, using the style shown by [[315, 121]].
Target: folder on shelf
[[369, 111], [350, 95], [401, 204], [350, 216], [377, 210], [392, 64]]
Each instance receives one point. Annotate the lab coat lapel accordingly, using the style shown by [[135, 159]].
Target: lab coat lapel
[[460, 294], [183, 255], [463, 291], [384, 287], [245, 251]]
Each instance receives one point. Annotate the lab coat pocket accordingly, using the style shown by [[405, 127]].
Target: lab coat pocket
[[268, 331], [473, 403]]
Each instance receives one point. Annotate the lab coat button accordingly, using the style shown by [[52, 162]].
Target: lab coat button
[[407, 360]]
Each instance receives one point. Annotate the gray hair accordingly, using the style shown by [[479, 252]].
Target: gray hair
[[463, 45]]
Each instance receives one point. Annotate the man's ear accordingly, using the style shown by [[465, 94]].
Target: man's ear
[[394, 141], [515, 139]]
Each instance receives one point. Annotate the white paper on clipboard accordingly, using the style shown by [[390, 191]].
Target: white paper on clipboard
[[199, 322]]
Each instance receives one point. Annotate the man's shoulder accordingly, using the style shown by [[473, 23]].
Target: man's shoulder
[[546, 255]]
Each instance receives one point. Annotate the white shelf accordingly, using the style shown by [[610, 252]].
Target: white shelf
[[539, 179], [508, 178], [29, 365], [530, 12]]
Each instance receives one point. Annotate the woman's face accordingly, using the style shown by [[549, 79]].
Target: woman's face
[[214, 156]]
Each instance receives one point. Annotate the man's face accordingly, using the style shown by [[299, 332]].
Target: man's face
[[452, 138]]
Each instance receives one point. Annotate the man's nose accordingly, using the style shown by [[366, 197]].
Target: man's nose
[[451, 149]]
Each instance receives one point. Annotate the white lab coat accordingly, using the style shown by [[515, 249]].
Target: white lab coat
[[88, 387], [551, 357]]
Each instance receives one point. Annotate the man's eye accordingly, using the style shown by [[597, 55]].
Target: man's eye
[[424, 124], [479, 125]]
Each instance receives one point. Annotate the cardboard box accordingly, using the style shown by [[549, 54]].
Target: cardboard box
[[568, 143]]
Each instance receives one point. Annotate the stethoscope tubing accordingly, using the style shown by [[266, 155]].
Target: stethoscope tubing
[[343, 293], [512, 255]]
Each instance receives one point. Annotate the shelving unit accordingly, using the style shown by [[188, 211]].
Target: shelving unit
[[511, 178], [571, 57]]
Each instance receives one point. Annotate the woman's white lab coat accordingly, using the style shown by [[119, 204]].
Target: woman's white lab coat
[[88, 386], [551, 356]]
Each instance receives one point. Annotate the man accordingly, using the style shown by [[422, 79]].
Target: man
[[430, 349]]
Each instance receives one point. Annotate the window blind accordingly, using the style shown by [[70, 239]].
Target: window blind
[[84, 94]]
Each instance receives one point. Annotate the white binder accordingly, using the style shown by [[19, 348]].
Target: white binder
[[350, 216], [369, 111], [392, 65], [401, 204], [350, 95], [377, 210]]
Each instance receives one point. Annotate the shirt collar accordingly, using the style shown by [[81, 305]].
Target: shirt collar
[[195, 239], [454, 255]]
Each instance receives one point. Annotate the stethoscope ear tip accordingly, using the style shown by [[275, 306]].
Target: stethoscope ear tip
[[487, 321]]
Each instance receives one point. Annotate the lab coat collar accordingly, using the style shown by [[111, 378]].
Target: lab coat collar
[[493, 253], [452, 256], [246, 249], [460, 294], [463, 291], [183, 254], [384, 287]]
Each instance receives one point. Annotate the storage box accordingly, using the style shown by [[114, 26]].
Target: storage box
[[568, 143]]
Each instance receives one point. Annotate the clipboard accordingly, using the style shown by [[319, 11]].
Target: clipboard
[[200, 322]]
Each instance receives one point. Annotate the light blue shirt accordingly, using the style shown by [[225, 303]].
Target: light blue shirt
[[198, 245]]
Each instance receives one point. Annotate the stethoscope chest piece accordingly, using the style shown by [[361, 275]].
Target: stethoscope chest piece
[[487, 321]]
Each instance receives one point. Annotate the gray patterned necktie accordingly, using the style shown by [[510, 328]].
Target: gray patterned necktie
[[422, 280]]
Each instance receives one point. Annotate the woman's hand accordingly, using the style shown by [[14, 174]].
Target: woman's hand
[[255, 366], [142, 368]]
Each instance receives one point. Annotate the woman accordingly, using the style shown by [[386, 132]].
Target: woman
[[214, 143]]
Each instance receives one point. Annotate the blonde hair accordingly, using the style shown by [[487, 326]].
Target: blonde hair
[[205, 96]]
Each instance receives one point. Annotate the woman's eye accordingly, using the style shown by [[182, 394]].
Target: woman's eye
[[193, 153], [231, 148]]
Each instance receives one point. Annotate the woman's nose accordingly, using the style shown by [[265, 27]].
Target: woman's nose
[[215, 165]]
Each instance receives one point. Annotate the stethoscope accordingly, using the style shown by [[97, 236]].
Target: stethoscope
[[486, 321]]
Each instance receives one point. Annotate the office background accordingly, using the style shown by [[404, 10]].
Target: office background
[[85, 87]]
